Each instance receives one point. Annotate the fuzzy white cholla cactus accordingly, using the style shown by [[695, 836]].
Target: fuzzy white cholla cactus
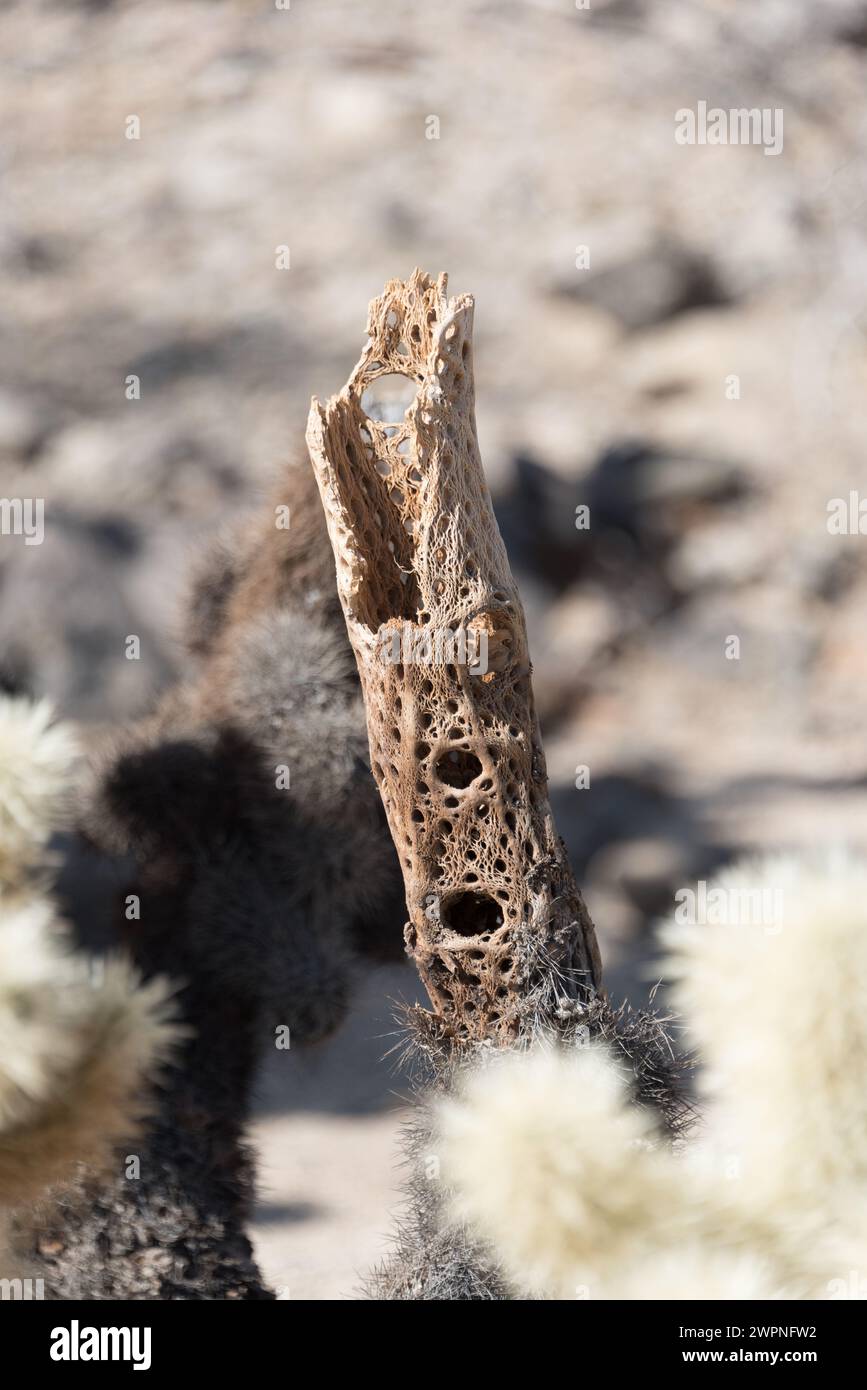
[[37, 758], [580, 1197], [77, 1040]]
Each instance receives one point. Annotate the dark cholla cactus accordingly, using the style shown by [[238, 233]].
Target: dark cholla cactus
[[257, 898]]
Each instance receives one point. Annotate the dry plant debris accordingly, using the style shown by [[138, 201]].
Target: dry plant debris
[[438, 631]]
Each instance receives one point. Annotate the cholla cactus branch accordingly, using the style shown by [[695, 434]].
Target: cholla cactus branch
[[78, 1048], [81, 1041], [438, 631], [37, 756]]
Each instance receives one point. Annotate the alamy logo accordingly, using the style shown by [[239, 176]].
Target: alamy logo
[[435, 646], [855, 1286], [716, 906], [740, 126], [21, 1289], [23, 516], [77, 1343], [847, 516]]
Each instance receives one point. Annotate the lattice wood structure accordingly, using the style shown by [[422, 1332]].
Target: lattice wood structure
[[437, 627]]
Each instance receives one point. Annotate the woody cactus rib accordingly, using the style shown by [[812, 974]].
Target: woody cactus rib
[[438, 631]]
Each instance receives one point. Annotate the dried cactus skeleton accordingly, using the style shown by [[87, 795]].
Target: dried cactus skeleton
[[438, 631]]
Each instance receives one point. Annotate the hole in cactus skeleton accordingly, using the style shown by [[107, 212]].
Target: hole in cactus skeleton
[[388, 398], [458, 768], [471, 914]]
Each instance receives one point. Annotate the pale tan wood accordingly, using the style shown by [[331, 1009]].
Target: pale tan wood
[[496, 919]]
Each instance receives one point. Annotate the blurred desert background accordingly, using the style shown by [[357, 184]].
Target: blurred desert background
[[699, 384]]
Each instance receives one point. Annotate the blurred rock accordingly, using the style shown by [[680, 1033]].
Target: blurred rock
[[734, 551], [21, 428], [651, 494], [64, 630], [649, 288], [649, 871]]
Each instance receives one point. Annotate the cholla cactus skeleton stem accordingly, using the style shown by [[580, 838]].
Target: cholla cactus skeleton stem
[[455, 748]]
